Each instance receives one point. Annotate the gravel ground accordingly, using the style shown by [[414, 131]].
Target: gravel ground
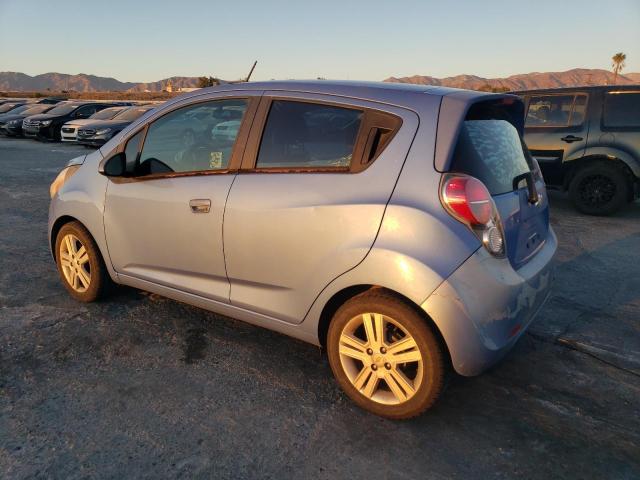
[[141, 386]]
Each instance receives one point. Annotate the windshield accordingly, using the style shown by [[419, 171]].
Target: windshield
[[21, 109], [131, 114], [35, 109], [63, 109], [8, 106], [106, 114]]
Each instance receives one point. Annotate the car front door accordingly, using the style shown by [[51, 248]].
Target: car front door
[[556, 131], [317, 174], [163, 223]]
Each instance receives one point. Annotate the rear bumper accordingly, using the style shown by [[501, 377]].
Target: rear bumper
[[485, 306]]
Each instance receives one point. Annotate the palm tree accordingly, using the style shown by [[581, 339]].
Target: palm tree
[[618, 65]]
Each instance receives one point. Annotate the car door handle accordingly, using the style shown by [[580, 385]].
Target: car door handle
[[571, 138], [200, 205]]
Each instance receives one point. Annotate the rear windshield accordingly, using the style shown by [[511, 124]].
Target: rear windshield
[[492, 152]]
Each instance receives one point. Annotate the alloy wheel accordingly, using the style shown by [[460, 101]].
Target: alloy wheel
[[74, 260], [597, 190], [381, 358]]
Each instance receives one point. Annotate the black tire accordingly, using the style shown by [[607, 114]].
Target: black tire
[[100, 281], [599, 188], [434, 369]]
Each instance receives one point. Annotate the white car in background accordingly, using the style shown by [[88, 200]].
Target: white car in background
[[69, 131], [226, 130]]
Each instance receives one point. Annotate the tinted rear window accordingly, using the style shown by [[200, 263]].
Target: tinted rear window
[[492, 152], [622, 109], [307, 135]]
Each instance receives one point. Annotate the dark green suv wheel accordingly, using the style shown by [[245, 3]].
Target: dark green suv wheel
[[599, 189]]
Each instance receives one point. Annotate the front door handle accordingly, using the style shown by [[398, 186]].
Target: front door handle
[[200, 205], [570, 139]]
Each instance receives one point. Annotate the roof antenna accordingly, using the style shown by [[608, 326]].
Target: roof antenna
[[251, 71]]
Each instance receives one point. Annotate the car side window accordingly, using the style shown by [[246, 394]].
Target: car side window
[[621, 109], [556, 110], [308, 135], [192, 139]]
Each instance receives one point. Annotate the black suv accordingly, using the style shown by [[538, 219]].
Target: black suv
[[47, 126], [587, 141]]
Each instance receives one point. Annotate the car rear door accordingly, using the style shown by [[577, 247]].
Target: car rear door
[[306, 207], [556, 130], [163, 224]]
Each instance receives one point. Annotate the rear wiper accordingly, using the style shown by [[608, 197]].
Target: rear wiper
[[531, 186]]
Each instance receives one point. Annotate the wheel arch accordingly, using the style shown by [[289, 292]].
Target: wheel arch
[[61, 221], [345, 294], [575, 166], [55, 228]]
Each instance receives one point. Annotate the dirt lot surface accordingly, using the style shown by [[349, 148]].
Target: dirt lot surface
[[139, 386]]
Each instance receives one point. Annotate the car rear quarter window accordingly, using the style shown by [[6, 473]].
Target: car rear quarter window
[[621, 110], [556, 110], [492, 152], [308, 135]]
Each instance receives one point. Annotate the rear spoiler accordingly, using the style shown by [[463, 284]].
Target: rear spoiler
[[463, 105]]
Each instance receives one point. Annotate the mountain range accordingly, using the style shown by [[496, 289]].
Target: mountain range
[[57, 82], [526, 81]]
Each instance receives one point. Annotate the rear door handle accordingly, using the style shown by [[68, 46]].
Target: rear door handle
[[570, 139], [200, 205]]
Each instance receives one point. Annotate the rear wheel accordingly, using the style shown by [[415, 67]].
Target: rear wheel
[[80, 264], [385, 356], [599, 189]]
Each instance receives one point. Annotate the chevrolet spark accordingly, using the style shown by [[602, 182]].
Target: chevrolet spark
[[403, 228]]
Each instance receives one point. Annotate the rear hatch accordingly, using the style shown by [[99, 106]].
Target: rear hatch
[[490, 148]]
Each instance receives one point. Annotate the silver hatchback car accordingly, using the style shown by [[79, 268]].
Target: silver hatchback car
[[403, 228]]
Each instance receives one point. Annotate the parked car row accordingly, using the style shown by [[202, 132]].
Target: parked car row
[[89, 123]]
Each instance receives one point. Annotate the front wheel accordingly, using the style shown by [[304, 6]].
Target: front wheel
[[385, 356], [80, 264], [599, 189]]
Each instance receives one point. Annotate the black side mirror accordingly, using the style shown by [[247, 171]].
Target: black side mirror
[[115, 166]]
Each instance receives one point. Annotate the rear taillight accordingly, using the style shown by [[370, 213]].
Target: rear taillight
[[468, 200]]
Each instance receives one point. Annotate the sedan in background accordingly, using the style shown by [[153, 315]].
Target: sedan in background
[[11, 122], [96, 134], [47, 126], [69, 131]]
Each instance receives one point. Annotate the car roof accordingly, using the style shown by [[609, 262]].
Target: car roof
[[584, 88], [386, 92]]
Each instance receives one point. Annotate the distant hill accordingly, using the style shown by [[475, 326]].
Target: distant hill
[[57, 82], [525, 81]]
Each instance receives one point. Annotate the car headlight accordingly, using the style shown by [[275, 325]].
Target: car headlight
[[13, 123], [103, 131], [62, 177], [45, 123]]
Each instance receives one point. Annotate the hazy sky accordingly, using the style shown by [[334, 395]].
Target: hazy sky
[[150, 40]]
